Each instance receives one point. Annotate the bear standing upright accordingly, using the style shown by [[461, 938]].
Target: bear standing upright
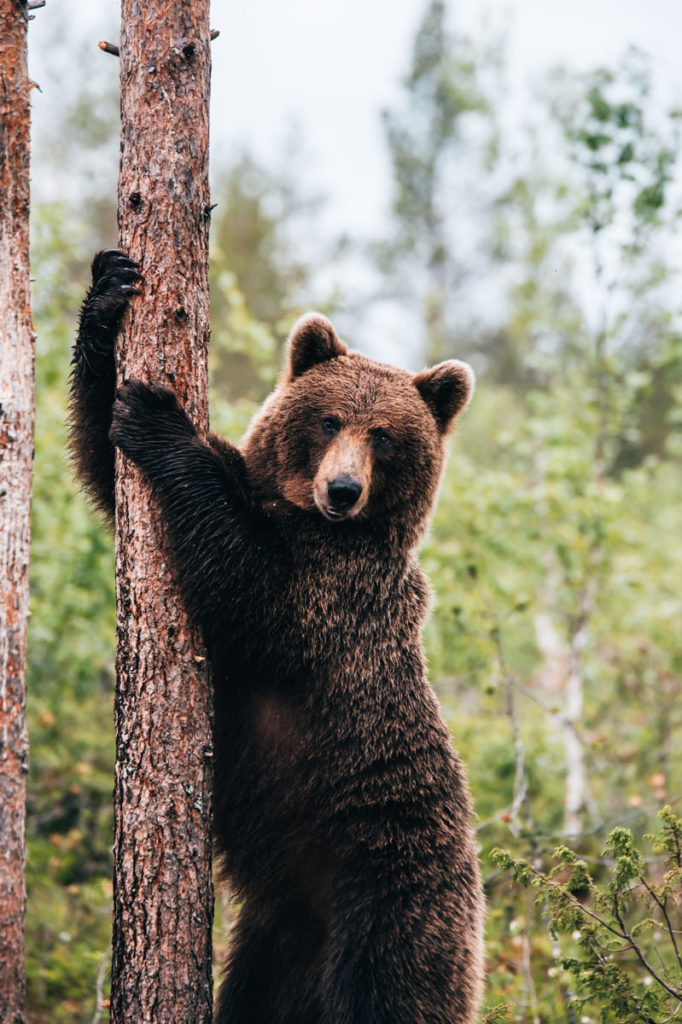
[[341, 811]]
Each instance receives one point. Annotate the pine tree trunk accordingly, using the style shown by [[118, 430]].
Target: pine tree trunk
[[16, 464], [163, 895]]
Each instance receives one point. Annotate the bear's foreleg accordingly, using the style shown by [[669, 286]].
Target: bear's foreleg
[[93, 375], [203, 493]]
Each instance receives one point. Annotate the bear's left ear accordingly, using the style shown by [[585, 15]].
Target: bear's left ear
[[446, 389], [312, 340]]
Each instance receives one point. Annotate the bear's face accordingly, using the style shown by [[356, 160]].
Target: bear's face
[[352, 440]]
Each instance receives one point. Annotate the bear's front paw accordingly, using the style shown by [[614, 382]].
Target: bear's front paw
[[115, 280], [108, 262], [147, 422]]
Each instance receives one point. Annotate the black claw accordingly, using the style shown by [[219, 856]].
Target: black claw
[[106, 254], [104, 257], [130, 289], [110, 260], [116, 281], [126, 261], [125, 276]]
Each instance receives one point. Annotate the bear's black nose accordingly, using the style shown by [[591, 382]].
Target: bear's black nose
[[343, 493]]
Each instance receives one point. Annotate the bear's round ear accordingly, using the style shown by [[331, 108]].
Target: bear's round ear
[[446, 389], [312, 340]]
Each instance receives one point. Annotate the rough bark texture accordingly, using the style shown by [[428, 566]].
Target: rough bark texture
[[163, 895], [16, 459]]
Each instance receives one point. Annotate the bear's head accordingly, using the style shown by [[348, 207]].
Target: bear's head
[[352, 441]]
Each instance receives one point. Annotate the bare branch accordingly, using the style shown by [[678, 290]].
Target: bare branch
[[109, 48], [112, 48], [675, 993], [662, 904]]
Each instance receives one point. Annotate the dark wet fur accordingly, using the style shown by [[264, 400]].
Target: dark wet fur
[[341, 812]]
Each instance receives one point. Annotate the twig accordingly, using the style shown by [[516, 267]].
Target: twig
[[602, 827], [109, 48], [451, 682], [33, 5], [675, 993], [662, 904], [610, 950]]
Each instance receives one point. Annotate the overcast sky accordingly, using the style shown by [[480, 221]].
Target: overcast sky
[[329, 66], [333, 65]]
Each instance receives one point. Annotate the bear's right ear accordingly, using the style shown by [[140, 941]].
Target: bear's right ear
[[312, 340]]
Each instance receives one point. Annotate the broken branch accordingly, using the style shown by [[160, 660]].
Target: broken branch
[[111, 48]]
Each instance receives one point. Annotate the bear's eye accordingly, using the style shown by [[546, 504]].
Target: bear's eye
[[382, 440], [330, 426]]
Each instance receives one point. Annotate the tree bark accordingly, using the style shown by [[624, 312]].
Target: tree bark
[[16, 464], [163, 894]]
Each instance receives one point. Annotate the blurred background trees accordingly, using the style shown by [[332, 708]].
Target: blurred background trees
[[542, 247]]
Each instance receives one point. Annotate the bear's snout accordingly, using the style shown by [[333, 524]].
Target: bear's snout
[[343, 478], [343, 493]]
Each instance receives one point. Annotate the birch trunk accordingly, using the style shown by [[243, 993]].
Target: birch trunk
[[563, 672], [16, 463], [163, 896]]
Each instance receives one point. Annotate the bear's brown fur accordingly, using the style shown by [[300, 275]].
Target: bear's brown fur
[[341, 811]]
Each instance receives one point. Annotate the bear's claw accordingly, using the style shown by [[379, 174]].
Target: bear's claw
[[110, 259]]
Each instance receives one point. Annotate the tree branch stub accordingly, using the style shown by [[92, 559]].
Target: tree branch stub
[[112, 48]]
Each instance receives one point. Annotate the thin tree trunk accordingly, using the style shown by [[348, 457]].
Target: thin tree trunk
[[563, 672], [16, 464], [163, 895]]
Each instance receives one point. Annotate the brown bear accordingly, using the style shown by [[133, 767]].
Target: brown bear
[[341, 811]]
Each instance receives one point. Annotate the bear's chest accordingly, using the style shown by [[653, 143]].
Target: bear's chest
[[340, 611]]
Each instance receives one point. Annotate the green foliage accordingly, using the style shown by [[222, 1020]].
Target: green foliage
[[258, 274], [69, 673], [626, 963], [620, 156], [513, 541], [592, 231]]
